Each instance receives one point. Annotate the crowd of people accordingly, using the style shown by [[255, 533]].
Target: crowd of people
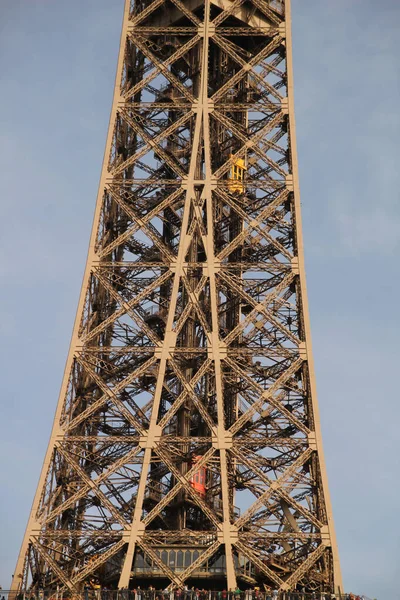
[[96, 592], [193, 593]]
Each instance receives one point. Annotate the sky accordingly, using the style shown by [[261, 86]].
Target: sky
[[57, 68]]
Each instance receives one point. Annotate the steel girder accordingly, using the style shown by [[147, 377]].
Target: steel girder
[[191, 355]]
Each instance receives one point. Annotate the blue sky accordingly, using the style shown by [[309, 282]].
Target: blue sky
[[57, 66]]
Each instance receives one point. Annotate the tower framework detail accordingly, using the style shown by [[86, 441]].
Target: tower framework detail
[[186, 446]]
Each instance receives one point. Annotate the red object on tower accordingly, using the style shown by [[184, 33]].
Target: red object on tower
[[198, 480]]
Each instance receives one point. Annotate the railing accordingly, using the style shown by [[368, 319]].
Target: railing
[[174, 594]]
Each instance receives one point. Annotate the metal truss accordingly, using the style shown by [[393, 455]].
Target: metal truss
[[191, 355]]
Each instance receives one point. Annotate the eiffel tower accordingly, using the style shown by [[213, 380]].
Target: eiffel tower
[[186, 446]]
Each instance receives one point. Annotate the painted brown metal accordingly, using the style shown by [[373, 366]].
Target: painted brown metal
[[191, 356]]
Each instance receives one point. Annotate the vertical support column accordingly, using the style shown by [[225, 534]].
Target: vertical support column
[[216, 349], [331, 538]]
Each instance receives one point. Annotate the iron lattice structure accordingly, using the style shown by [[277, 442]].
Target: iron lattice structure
[[186, 445]]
